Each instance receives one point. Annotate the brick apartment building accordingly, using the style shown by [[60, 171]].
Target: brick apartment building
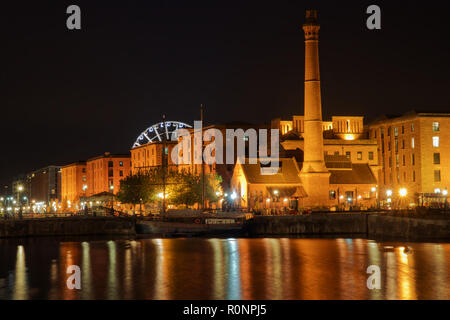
[[414, 153]]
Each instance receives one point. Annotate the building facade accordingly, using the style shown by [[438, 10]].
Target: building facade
[[350, 185], [414, 152], [45, 184], [105, 172], [98, 175], [73, 182], [148, 156], [232, 135]]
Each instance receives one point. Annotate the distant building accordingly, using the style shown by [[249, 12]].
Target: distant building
[[105, 171], [73, 182], [84, 179], [414, 152], [148, 156], [224, 169], [350, 184], [45, 184]]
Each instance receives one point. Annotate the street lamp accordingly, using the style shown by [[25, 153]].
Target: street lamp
[[19, 189], [445, 193], [389, 192], [403, 192], [111, 187]]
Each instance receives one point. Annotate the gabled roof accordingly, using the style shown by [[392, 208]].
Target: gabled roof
[[360, 173], [288, 173]]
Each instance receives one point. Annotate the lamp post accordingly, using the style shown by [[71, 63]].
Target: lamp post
[[402, 192], [19, 190], [445, 194], [111, 187]]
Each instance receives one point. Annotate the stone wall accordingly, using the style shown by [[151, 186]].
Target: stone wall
[[363, 224], [73, 226], [408, 228], [315, 224]]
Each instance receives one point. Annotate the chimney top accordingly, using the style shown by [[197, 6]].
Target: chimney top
[[311, 17]]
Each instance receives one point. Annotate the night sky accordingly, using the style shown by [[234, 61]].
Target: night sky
[[71, 95]]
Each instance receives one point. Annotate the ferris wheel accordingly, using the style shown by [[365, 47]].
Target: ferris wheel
[[158, 131]]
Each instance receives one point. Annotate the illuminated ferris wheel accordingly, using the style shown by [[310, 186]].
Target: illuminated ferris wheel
[[158, 131]]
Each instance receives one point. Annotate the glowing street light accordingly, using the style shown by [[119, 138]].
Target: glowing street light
[[233, 195], [444, 192], [389, 192], [403, 192], [437, 190], [373, 189]]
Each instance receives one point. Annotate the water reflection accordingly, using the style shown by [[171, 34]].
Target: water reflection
[[86, 275], [234, 283], [269, 268], [20, 291]]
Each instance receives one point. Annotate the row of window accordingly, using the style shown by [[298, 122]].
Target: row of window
[[437, 177], [436, 159], [359, 154], [435, 128], [436, 144], [349, 196]]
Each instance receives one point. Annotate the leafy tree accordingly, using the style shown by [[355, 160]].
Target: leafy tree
[[182, 188], [135, 188]]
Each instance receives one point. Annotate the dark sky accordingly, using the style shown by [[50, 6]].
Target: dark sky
[[71, 95]]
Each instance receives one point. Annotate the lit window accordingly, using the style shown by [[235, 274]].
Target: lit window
[[348, 154], [395, 131], [412, 143], [121, 163], [435, 126], [359, 155], [412, 127], [436, 142]]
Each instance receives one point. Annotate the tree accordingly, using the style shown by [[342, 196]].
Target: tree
[[182, 188], [189, 190], [135, 189]]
